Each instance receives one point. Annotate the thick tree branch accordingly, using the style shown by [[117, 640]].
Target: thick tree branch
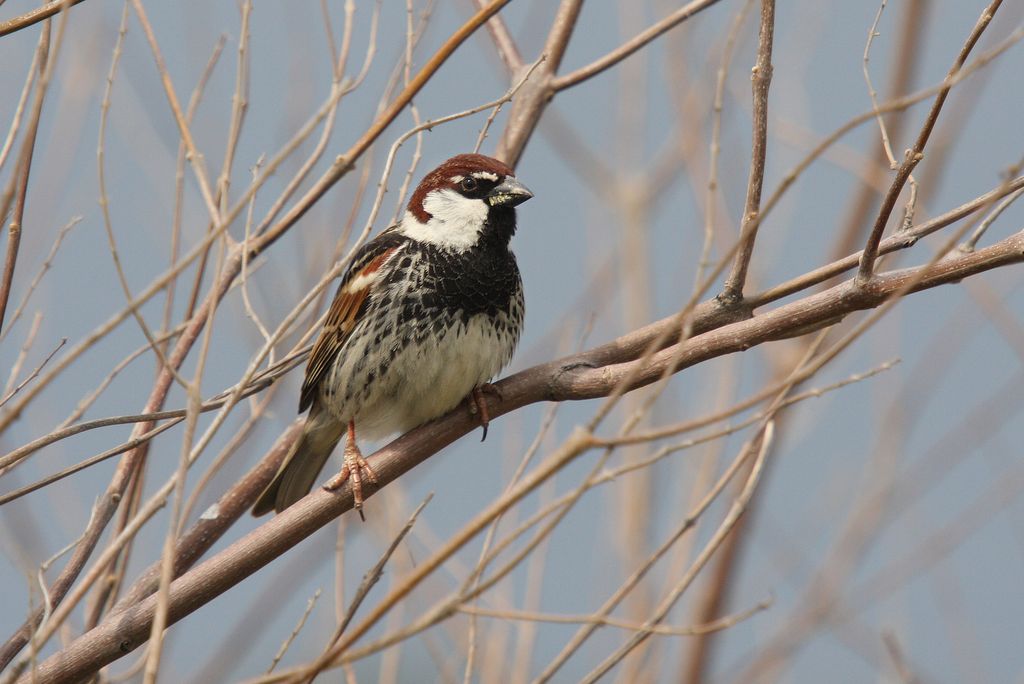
[[583, 376], [216, 520]]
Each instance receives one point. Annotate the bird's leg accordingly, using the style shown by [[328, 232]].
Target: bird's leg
[[478, 404], [356, 467]]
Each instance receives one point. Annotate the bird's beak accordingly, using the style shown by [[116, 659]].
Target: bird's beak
[[509, 193]]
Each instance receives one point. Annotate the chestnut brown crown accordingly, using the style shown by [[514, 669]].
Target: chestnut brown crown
[[471, 175]]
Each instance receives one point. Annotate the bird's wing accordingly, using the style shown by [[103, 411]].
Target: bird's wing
[[349, 305]]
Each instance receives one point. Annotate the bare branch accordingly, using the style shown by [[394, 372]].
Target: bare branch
[[34, 374], [626, 49], [760, 445], [35, 16], [44, 63], [761, 78], [667, 630], [914, 155], [369, 580], [504, 44], [534, 98], [591, 374]]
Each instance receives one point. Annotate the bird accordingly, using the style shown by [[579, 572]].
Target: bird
[[426, 314]]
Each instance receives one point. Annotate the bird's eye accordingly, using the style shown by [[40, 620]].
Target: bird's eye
[[469, 184]]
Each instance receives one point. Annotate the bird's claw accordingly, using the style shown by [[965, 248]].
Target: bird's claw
[[358, 469], [478, 404]]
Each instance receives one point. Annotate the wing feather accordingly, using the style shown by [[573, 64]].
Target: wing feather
[[346, 310]]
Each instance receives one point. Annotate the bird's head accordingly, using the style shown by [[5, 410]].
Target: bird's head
[[463, 198]]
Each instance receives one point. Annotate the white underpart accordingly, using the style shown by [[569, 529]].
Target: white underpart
[[424, 380], [434, 378], [455, 221]]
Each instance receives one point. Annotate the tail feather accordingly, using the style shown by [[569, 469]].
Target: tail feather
[[302, 465]]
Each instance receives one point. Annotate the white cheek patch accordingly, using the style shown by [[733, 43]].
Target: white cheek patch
[[455, 222]]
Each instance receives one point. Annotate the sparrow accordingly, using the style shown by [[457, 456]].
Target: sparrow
[[428, 312]]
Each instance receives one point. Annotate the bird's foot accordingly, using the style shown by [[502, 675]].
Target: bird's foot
[[357, 468], [478, 404]]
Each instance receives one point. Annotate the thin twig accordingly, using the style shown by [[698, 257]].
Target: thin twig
[[252, 386], [497, 107], [104, 200], [344, 162], [972, 242], [504, 44], [179, 184], [35, 372], [528, 108], [31, 77], [915, 154], [890, 244], [761, 78], [35, 16], [909, 54], [24, 167], [19, 362], [604, 621], [644, 568], [43, 269], [872, 94], [195, 158], [894, 242], [371, 578], [295, 632], [760, 445], [629, 47], [714, 147]]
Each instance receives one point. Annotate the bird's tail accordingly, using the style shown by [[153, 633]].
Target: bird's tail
[[303, 464]]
